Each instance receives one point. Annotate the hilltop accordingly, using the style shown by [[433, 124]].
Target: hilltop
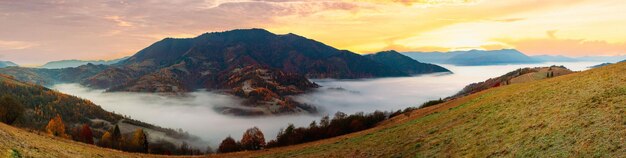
[[521, 75]]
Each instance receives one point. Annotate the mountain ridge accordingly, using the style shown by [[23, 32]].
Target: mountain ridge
[[392, 58], [474, 57], [76, 63], [7, 64]]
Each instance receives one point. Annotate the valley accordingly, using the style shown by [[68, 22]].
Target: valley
[[385, 94], [544, 112], [312, 78]]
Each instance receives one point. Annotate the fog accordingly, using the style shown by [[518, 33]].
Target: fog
[[194, 112]]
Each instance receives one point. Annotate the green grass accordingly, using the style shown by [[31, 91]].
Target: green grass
[[578, 115]]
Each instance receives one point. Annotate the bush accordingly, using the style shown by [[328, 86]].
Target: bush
[[432, 102], [10, 109], [228, 145]]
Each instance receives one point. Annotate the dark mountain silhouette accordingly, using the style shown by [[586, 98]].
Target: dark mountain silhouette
[[405, 64]]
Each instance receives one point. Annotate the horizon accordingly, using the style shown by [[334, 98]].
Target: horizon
[[40, 32]]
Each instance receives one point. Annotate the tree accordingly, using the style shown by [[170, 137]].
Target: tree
[[139, 142], [10, 109], [86, 135], [116, 138], [325, 121], [253, 139], [184, 149], [228, 145], [56, 127], [106, 140]]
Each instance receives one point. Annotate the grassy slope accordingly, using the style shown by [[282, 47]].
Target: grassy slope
[[29, 144], [582, 114]]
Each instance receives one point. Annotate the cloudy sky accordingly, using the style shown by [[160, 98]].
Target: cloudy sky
[[33, 32]]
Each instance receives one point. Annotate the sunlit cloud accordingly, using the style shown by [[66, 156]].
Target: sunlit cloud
[[119, 21], [11, 45], [570, 47], [99, 28]]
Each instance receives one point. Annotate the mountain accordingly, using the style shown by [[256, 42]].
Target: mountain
[[207, 62], [513, 77], [49, 77], [7, 64], [473, 57], [560, 58], [609, 59], [555, 58], [40, 104], [272, 68], [405, 64], [75, 63]]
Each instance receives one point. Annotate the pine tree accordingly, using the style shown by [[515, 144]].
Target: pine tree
[[116, 138]]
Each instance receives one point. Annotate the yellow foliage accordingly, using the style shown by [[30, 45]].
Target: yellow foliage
[[56, 127]]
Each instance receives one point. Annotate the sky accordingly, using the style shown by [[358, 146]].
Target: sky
[[33, 32]]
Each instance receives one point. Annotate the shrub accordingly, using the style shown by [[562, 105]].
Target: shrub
[[10, 109]]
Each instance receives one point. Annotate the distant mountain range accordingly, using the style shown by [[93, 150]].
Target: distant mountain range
[[474, 57], [262, 67], [499, 57], [75, 63], [7, 64], [560, 58]]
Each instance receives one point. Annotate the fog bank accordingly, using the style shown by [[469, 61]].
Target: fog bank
[[194, 113]]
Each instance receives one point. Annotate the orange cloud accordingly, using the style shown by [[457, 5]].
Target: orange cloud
[[572, 47]]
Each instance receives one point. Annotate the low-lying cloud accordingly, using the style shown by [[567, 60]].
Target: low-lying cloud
[[195, 112]]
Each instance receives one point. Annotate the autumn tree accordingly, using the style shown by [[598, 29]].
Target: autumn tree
[[105, 140], [10, 109], [139, 142], [86, 135], [56, 127], [228, 145], [253, 139]]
